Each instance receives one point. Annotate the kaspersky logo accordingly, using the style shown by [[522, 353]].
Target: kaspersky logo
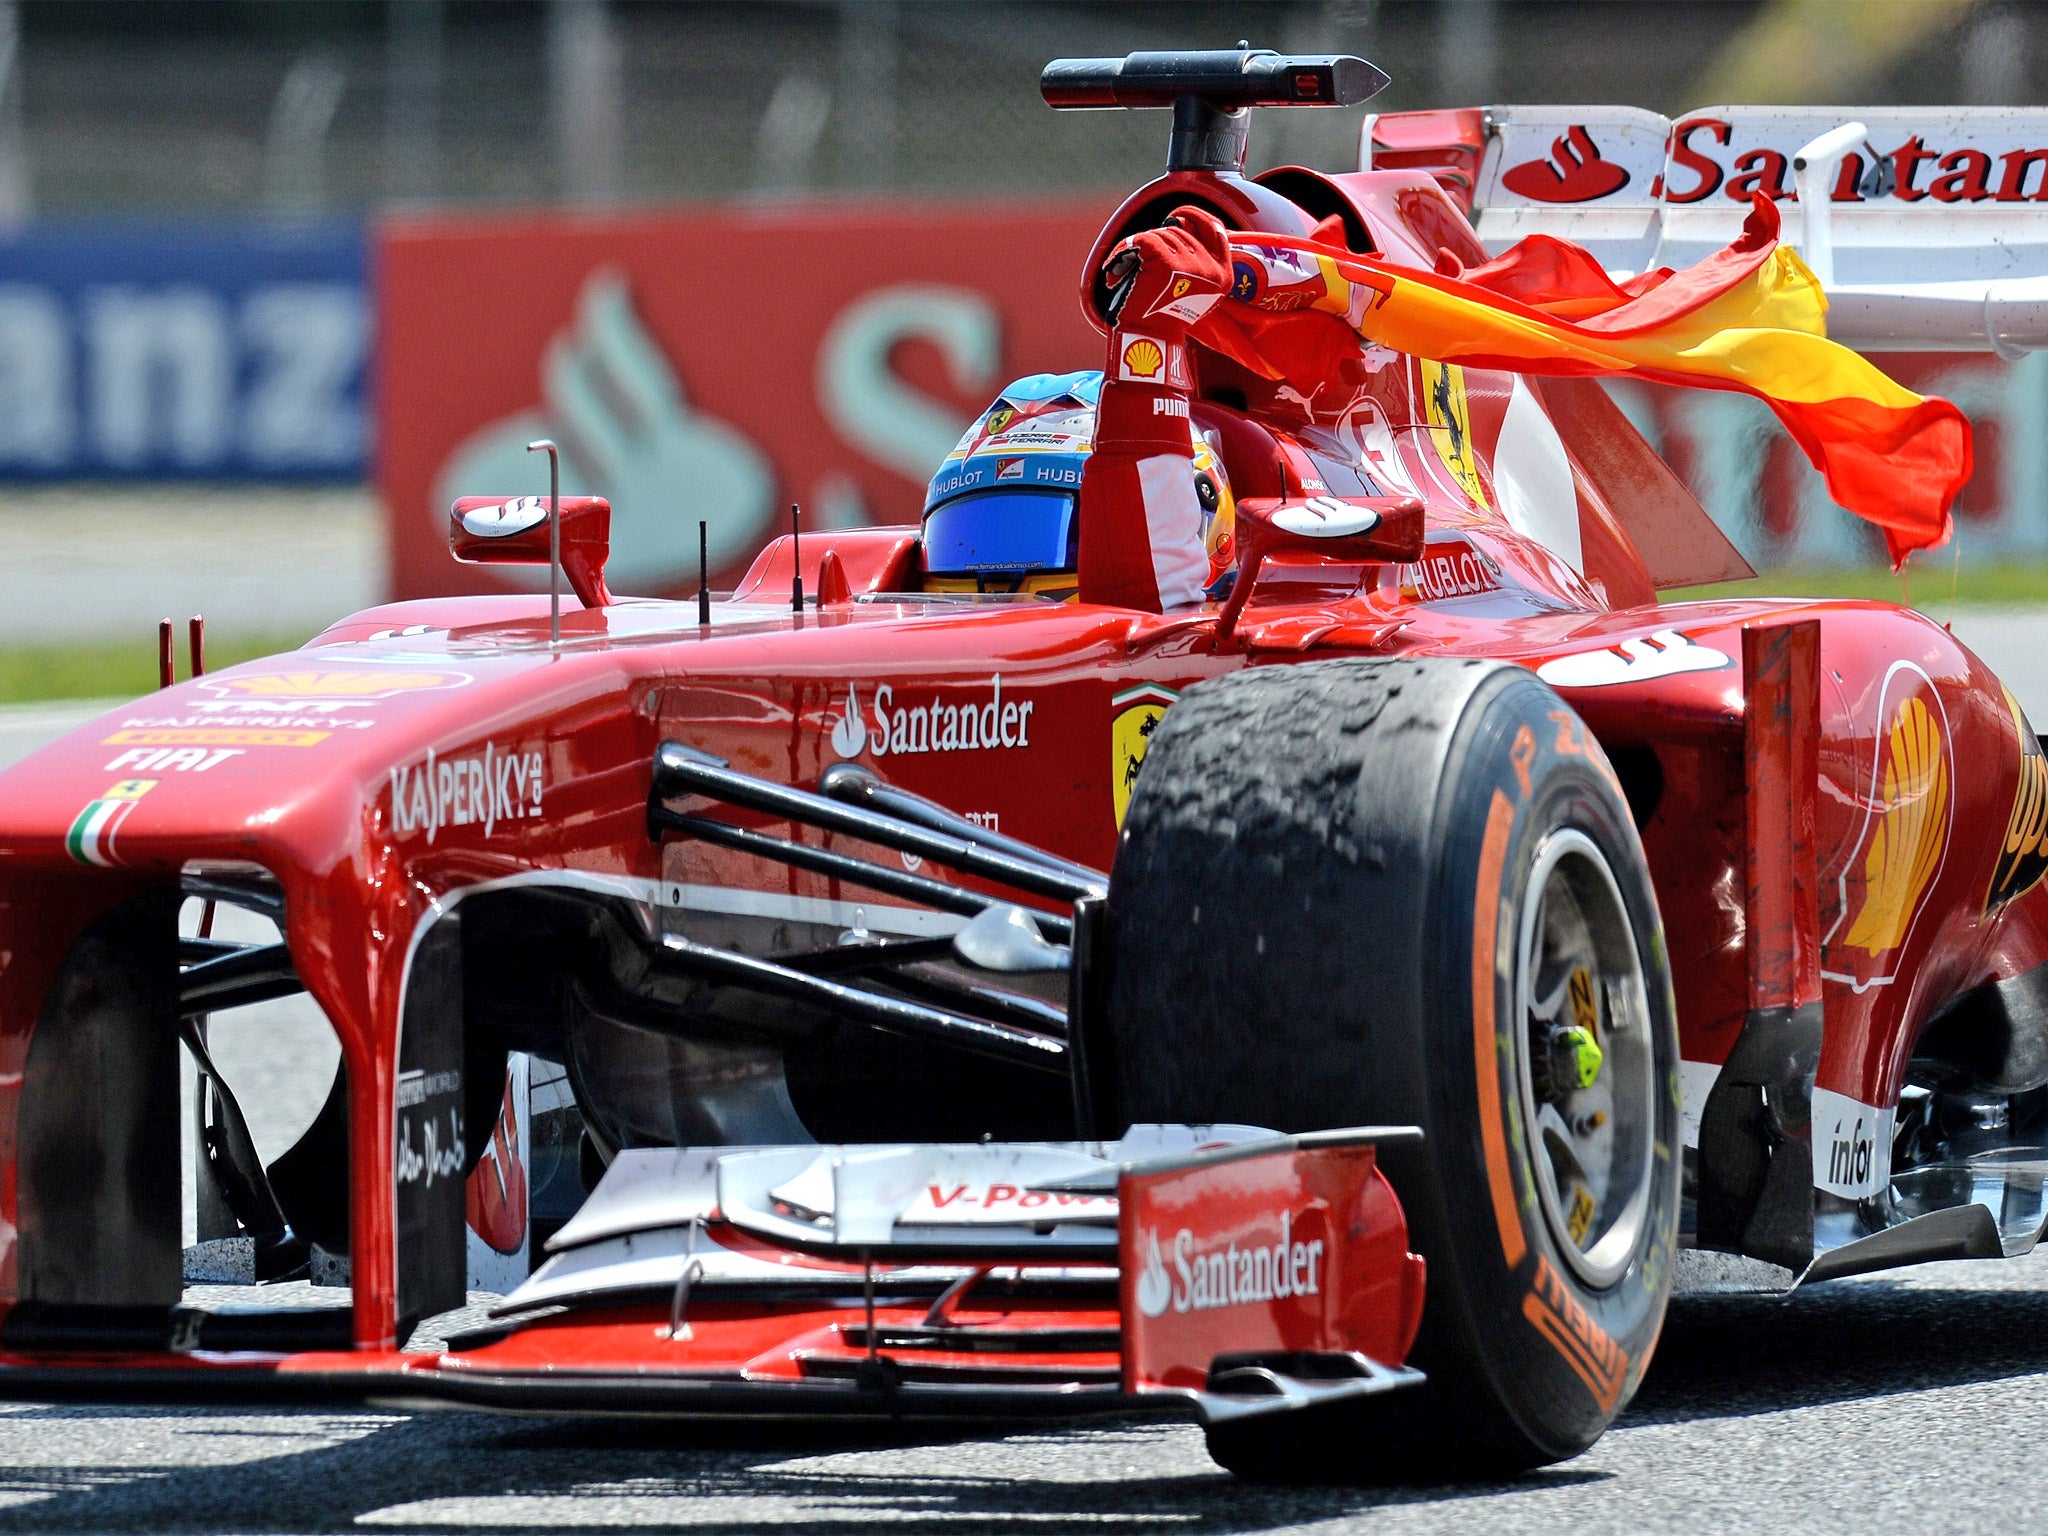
[[1205, 1278]]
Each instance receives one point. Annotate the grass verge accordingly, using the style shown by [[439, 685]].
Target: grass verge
[[1928, 585], [125, 669], [104, 669]]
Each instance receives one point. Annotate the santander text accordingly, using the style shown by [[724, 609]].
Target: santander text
[[1234, 1275], [938, 727]]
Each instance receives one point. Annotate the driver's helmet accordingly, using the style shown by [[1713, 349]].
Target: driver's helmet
[[1219, 513], [1001, 512]]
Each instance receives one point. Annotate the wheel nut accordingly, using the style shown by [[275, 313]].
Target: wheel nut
[[1577, 1055]]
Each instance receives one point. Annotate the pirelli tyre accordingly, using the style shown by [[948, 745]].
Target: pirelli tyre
[[1410, 892]]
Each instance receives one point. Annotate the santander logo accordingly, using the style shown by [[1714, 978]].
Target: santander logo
[[496, 1196], [1575, 173], [989, 723], [1205, 1277], [850, 735], [1155, 1285], [1908, 157]]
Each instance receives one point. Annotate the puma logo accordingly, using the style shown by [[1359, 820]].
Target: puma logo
[[1666, 653]]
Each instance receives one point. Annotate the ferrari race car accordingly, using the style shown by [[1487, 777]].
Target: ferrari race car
[[1252, 909]]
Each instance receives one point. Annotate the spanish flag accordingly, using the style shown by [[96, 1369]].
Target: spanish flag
[[1749, 318]]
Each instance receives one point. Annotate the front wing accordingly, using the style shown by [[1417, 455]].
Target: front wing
[[1240, 1273]]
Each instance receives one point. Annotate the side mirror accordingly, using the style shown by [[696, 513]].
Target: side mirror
[[494, 530], [1365, 530]]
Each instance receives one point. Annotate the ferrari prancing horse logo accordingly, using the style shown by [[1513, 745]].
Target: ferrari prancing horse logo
[[1449, 413], [1138, 713]]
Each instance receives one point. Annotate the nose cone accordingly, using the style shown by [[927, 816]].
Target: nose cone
[[273, 757]]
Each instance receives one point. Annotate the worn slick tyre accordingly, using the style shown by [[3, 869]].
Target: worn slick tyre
[[1359, 892]]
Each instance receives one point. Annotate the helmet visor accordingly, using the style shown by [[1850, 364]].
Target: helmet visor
[[1002, 531]]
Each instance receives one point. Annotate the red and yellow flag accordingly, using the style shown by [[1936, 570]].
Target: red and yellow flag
[[1749, 318]]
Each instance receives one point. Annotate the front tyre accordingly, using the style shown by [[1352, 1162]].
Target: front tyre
[[1410, 892]]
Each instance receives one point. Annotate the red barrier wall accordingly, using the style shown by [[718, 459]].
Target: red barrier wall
[[722, 362], [712, 362]]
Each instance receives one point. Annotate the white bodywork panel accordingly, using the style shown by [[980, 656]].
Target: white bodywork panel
[[1043, 1205], [1955, 258]]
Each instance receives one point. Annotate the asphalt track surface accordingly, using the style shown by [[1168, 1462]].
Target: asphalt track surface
[[1869, 1406], [1915, 1403]]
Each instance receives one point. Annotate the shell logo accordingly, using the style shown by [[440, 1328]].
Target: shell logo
[[1143, 359], [2023, 858], [333, 685], [1912, 833]]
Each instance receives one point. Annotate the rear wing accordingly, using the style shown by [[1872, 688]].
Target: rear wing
[[1928, 226]]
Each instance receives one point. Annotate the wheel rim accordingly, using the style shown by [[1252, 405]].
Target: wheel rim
[[1589, 1113]]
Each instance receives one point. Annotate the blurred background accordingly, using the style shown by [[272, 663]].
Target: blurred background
[[278, 278]]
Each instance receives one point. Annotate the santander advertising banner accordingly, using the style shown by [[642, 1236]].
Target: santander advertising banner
[[722, 362], [712, 363]]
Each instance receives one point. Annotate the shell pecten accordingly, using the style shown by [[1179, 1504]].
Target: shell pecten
[[1912, 834]]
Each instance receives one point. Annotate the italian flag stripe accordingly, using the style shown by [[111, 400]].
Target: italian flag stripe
[[91, 838], [1151, 693]]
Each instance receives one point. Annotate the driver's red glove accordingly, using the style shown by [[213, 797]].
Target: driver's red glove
[[1183, 268]]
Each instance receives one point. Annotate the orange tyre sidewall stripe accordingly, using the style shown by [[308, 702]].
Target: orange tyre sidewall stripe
[[1500, 820]]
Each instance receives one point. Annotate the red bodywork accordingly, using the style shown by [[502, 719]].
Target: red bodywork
[[1803, 807]]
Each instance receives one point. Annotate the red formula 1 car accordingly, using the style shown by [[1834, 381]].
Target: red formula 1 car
[[752, 961]]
